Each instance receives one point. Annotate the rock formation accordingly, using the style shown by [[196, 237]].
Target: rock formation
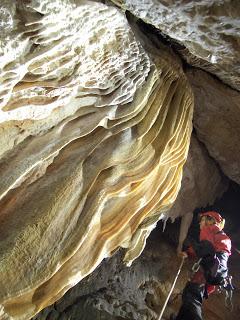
[[207, 32], [139, 292], [95, 131], [217, 120], [95, 128], [115, 292]]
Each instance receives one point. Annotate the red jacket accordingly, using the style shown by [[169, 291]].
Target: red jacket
[[222, 246], [218, 238]]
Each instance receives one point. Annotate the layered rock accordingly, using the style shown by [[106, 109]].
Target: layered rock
[[217, 120], [114, 291], [139, 292], [207, 31], [95, 131]]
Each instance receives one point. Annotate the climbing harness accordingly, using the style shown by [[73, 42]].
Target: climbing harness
[[170, 292], [227, 286]]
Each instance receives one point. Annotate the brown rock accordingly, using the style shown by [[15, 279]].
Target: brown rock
[[217, 121]]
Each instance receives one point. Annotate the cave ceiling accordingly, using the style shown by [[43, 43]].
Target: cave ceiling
[[96, 119], [208, 31]]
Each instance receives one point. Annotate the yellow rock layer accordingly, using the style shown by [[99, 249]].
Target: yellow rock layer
[[95, 131]]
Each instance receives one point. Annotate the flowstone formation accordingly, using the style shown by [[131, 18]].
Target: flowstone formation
[[207, 32], [95, 130], [114, 291]]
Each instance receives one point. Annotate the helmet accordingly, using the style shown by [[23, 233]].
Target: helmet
[[213, 214]]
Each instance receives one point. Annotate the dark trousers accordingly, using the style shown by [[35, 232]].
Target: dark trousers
[[192, 299]]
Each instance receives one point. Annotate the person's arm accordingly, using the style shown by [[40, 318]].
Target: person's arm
[[188, 248]]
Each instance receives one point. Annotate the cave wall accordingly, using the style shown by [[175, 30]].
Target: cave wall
[[217, 120], [96, 146]]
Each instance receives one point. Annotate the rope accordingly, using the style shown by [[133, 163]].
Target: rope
[[170, 292], [238, 251]]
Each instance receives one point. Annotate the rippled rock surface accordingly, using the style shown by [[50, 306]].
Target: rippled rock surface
[[207, 31], [95, 129]]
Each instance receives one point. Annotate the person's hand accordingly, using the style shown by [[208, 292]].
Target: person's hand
[[183, 254]]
